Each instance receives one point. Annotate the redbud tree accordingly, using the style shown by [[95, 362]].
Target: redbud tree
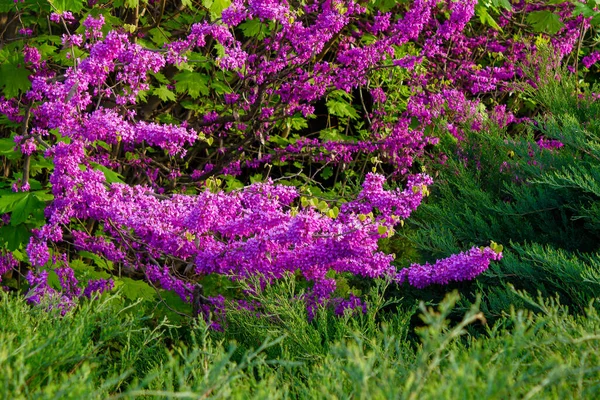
[[169, 142]]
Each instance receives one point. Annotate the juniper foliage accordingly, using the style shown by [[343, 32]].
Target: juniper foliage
[[102, 351], [541, 203]]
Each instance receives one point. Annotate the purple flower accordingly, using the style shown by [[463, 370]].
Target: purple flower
[[7, 263], [98, 286], [591, 59], [31, 55], [93, 26], [549, 144], [458, 267], [353, 303]]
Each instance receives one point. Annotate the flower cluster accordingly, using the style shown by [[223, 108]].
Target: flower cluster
[[7, 263], [458, 267], [352, 303], [66, 297]]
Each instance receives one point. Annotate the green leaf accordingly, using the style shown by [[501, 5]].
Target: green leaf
[[25, 205], [160, 77], [485, 18], [279, 141], [329, 135], [192, 82], [39, 163], [67, 5], [322, 206], [496, 247], [545, 21], [7, 6], [256, 178], [84, 272], [503, 4], [142, 96], [596, 20], [41, 195], [220, 49], [46, 49], [7, 150], [583, 9], [8, 200], [382, 230], [23, 208], [327, 173], [19, 255], [159, 36], [341, 109], [172, 302], [134, 290], [216, 7], [190, 105], [385, 5], [220, 87], [334, 212], [232, 183], [164, 93], [253, 28], [14, 237], [13, 79], [340, 95], [297, 122], [368, 38], [98, 260]]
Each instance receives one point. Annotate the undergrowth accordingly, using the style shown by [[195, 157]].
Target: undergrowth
[[102, 350]]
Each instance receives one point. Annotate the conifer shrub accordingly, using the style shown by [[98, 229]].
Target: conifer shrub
[[534, 191]]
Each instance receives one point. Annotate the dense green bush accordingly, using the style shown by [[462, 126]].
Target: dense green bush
[[102, 351]]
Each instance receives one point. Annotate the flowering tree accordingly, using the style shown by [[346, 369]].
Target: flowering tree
[[139, 142]]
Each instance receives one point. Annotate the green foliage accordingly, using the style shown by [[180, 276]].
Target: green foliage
[[339, 104], [26, 211], [216, 7], [541, 204], [485, 18], [102, 350], [545, 21], [194, 83], [587, 9], [87, 353], [282, 315], [254, 28], [74, 6], [164, 93], [110, 175], [484, 7], [13, 77]]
